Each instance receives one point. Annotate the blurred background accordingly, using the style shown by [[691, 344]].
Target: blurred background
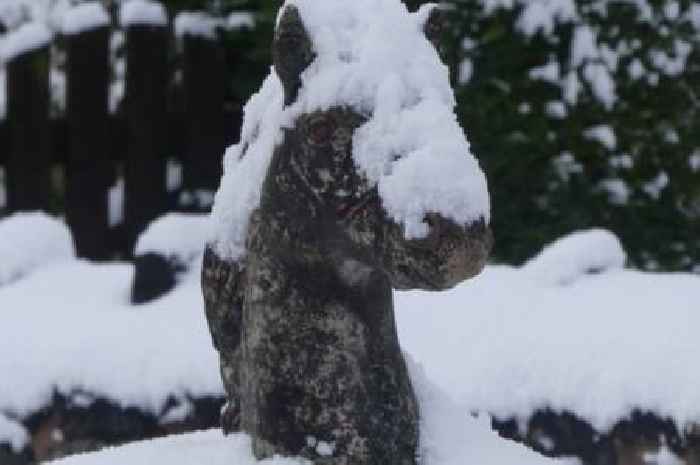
[[114, 117], [582, 113]]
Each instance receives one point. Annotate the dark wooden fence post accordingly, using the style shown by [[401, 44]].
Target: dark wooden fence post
[[89, 170], [204, 87], [29, 162], [146, 115]]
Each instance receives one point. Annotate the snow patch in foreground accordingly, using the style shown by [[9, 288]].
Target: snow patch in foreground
[[29, 241], [578, 254], [13, 433], [449, 436]]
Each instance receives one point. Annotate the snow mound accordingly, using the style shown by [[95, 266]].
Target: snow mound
[[449, 436], [163, 350], [142, 13], [13, 433], [179, 236], [197, 24], [629, 337], [29, 37], [29, 241], [84, 17], [580, 253], [373, 57]]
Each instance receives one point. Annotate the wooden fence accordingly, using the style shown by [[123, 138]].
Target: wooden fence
[[68, 164]]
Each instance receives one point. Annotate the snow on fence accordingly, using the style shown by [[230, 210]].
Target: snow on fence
[[101, 167]]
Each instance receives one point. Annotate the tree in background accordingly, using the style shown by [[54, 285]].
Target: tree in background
[[585, 114]]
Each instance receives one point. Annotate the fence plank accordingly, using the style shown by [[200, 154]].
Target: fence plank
[[204, 90], [146, 115], [29, 161], [89, 169]]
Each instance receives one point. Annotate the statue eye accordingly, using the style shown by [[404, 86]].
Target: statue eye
[[320, 129]]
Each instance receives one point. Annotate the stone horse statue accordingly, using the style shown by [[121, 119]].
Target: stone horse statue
[[304, 323]]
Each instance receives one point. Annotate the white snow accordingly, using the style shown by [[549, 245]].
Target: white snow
[[549, 72], [29, 37], [507, 342], [543, 15], [85, 17], [200, 448], [578, 254], [155, 351], [373, 57], [466, 71], [449, 436], [655, 186], [240, 20], [176, 235], [565, 165], [29, 241], [617, 189], [13, 433], [604, 134], [142, 12], [636, 69], [197, 24], [694, 161]]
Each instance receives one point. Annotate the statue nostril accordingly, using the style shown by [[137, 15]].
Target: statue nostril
[[320, 130]]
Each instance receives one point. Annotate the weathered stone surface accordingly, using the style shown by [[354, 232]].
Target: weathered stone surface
[[304, 324]]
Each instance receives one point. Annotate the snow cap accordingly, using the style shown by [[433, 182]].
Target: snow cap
[[84, 17], [371, 56], [180, 236], [197, 24], [577, 254], [143, 13], [29, 37]]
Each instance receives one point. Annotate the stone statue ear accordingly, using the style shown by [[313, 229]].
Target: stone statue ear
[[292, 52], [434, 20]]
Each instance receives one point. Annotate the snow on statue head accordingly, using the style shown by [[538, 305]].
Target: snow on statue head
[[352, 177]]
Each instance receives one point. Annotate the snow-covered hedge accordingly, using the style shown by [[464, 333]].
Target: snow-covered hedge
[[29, 241], [584, 114]]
